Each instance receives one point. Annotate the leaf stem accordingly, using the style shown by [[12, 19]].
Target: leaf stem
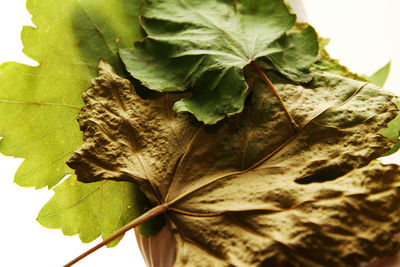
[[136, 222], [235, 5], [270, 85]]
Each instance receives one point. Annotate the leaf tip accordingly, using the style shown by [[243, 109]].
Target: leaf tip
[[104, 67]]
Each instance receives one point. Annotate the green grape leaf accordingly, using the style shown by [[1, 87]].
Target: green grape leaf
[[249, 191], [67, 42], [95, 209], [204, 45], [39, 105]]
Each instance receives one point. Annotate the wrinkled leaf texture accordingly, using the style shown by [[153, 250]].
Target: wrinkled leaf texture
[[393, 130], [249, 191], [328, 64], [204, 45], [39, 105]]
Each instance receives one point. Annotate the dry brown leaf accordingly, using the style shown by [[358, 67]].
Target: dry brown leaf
[[249, 191]]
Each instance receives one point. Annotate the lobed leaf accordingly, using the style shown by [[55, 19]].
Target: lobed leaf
[[205, 45], [250, 191], [67, 42], [39, 104], [95, 209]]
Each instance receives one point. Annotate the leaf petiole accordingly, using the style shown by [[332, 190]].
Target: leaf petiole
[[270, 85], [136, 222]]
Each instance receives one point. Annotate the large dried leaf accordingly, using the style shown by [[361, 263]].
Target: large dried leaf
[[204, 45], [249, 191]]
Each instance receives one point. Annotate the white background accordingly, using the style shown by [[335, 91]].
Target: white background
[[364, 36]]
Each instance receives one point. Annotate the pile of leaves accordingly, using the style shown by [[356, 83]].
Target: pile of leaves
[[253, 145]]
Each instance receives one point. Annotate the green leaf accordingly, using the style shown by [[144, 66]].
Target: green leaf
[[205, 45], [39, 105], [379, 78], [249, 191], [95, 209], [300, 46]]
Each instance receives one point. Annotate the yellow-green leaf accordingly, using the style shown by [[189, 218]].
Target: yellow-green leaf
[[379, 78], [39, 105]]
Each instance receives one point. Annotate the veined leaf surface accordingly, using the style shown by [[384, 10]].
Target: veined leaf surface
[[39, 105], [204, 45], [249, 191], [328, 64]]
